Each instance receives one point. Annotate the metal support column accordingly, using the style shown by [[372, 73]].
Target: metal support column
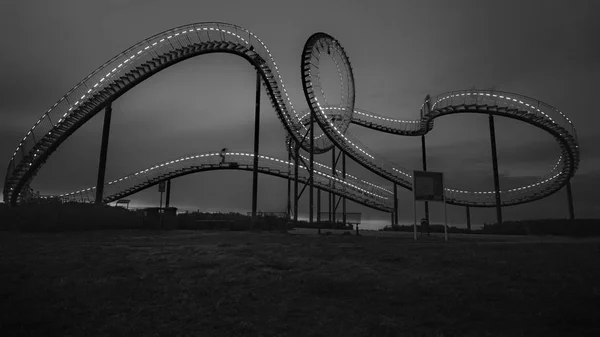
[[318, 205], [256, 144], [331, 195], [329, 207], [424, 155], [395, 222], [495, 165], [570, 197], [296, 155], [344, 198], [289, 187], [168, 197], [468, 219], [311, 172], [103, 153]]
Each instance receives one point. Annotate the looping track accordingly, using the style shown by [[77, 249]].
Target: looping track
[[150, 56]]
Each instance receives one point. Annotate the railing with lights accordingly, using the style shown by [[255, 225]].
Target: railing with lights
[[362, 192], [156, 53]]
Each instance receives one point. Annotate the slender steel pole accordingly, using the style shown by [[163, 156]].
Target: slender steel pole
[[331, 195], [160, 212], [256, 144], [445, 219], [103, 153], [468, 219], [424, 156], [395, 204], [318, 205], [168, 197], [296, 154], [344, 198], [311, 173], [415, 218], [495, 165], [570, 197], [330, 207], [289, 187]]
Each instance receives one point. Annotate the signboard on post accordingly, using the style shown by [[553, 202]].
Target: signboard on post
[[429, 186]]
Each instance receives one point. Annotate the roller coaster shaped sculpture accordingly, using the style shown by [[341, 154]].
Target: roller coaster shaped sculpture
[[148, 57]]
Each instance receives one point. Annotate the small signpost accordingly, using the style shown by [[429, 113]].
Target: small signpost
[[429, 186]]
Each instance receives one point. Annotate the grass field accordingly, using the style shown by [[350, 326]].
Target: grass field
[[145, 283]]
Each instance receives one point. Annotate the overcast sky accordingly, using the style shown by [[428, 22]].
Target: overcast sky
[[400, 51]]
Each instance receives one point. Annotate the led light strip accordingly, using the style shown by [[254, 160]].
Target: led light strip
[[152, 168], [85, 92]]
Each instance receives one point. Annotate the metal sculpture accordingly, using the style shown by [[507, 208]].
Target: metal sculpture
[[150, 56]]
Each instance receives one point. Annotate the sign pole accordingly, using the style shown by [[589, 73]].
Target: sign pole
[[429, 186]]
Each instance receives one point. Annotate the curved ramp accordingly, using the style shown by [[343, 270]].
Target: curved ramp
[[361, 192]]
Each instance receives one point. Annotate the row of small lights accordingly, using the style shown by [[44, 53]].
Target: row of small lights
[[502, 97], [110, 73], [218, 154], [386, 118], [280, 81], [323, 93], [337, 66], [395, 169], [138, 53], [320, 87], [508, 191], [403, 173], [286, 94], [514, 189], [329, 168], [338, 131], [146, 48], [302, 118], [337, 108], [347, 183], [301, 166], [350, 176], [514, 100], [377, 186], [509, 99]]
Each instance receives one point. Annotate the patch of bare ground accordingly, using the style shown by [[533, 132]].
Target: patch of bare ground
[[144, 283]]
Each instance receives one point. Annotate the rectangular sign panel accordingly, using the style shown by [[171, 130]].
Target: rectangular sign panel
[[428, 186]]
